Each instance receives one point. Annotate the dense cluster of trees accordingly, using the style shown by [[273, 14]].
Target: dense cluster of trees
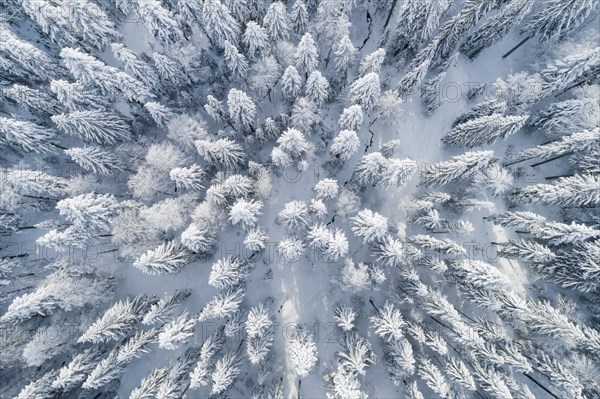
[[179, 143]]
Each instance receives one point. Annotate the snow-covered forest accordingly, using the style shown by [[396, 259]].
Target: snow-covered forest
[[341, 199]]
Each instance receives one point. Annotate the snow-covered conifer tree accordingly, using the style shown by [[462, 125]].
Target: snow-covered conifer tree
[[302, 351], [169, 257], [366, 91], [227, 272], [236, 62], [317, 88], [99, 126], [117, 321], [305, 114], [255, 38], [225, 371], [224, 304], [345, 144], [495, 28], [136, 66], [199, 376], [76, 96], [307, 55], [242, 109], [291, 83], [176, 332], [388, 323], [219, 24], [276, 21], [344, 317], [372, 62], [344, 56], [109, 80], [577, 190], [225, 152], [357, 355], [558, 19], [299, 17], [459, 167], [27, 136], [291, 248], [370, 168], [162, 310], [351, 118], [95, 159], [90, 211], [22, 59], [484, 130]]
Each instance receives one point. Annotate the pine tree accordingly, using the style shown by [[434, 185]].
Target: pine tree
[[580, 142], [578, 190], [189, 178], [227, 272], [369, 225], [242, 109], [484, 130], [99, 126], [291, 83], [479, 275], [176, 332], [388, 323], [305, 112], [66, 240], [117, 321], [255, 38], [224, 304], [245, 212], [76, 371], [219, 25], [258, 347], [558, 19], [162, 310], [160, 114], [107, 79], [343, 384], [22, 59], [26, 136], [90, 211], [344, 317], [255, 240], [224, 373], [80, 23], [317, 88], [389, 251], [34, 182], [294, 214], [197, 239], [397, 172], [290, 248], [564, 72], [351, 118], [344, 56], [167, 258], [277, 22], [370, 168], [365, 91], [159, 22], [77, 97], [345, 144], [302, 351], [38, 100], [200, 374], [567, 116], [236, 62], [495, 28], [358, 354], [413, 26], [95, 159], [307, 55], [299, 17], [225, 152], [293, 142], [556, 233], [459, 167], [372, 62], [66, 290]]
